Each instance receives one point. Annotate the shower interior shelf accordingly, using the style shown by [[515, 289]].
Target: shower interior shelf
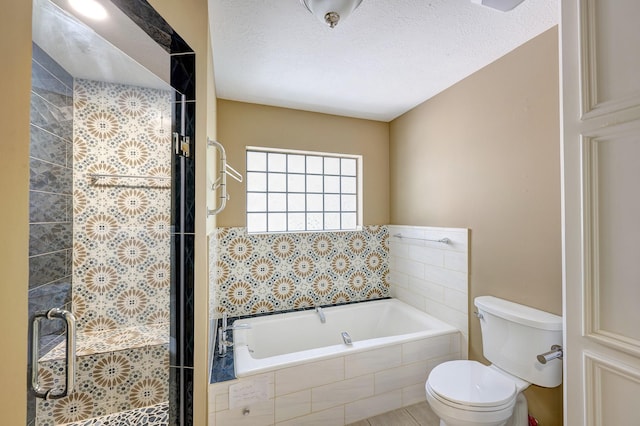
[[108, 180]]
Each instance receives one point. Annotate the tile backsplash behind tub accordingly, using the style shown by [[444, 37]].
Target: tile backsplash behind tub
[[276, 272]]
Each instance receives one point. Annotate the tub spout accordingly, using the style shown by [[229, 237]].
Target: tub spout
[[320, 313], [223, 342], [346, 338]]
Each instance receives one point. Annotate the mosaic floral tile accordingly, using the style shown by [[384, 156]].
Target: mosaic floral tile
[[111, 340], [121, 267], [106, 383], [276, 272], [155, 415], [121, 259]]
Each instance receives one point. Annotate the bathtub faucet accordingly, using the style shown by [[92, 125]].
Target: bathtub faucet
[[320, 313], [223, 342]]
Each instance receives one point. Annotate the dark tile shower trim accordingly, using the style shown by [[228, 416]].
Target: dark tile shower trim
[[183, 224], [177, 332], [181, 390], [181, 74], [188, 225], [189, 295], [143, 14]]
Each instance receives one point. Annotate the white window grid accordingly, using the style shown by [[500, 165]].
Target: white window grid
[[331, 192]]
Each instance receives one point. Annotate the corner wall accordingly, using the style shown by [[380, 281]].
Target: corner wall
[[484, 155]]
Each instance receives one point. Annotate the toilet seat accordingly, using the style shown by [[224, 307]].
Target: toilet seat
[[468, 408], [471, 386]]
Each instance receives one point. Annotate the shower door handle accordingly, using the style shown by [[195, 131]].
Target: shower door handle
[[70, 355]]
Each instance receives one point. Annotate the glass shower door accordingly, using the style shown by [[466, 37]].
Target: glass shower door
[[100, 207]]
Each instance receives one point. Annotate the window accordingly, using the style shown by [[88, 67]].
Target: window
[[298, 191]]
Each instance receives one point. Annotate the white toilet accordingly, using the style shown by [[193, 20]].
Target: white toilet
[[466, 393]]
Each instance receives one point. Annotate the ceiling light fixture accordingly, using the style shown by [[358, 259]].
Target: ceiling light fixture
[[331, 11], [89, 8], [502, 5]]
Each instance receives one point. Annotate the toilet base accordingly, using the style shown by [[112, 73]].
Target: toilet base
[[520, 416], [520, 412]]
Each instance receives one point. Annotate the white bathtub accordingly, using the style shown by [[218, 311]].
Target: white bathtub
[[284, 340]]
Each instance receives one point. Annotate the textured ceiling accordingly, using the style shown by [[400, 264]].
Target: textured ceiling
[[386, 58]]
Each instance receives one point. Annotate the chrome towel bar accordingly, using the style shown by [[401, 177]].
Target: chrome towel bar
[[221, 182], [441, 240]]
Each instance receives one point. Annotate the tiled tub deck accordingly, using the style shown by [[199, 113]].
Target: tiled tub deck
[[335, 391]]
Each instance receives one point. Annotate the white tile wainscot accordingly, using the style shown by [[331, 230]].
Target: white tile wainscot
[[338, 390], [432, 276]]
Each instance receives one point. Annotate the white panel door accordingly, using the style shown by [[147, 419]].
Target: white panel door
[[600, 48]]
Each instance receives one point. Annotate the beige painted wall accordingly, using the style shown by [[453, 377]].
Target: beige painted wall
[[15, 86], [485, 155], [242, 124]]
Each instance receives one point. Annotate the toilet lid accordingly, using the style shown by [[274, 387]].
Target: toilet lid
[[471, 383]]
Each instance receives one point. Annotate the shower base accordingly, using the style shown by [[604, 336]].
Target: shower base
[[117, 371]]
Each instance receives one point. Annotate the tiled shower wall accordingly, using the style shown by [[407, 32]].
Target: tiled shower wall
[[50, 194], [182, 191], [121, 225], [277, 272], [121, 246]]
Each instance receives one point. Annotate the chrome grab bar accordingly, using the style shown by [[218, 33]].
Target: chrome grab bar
[[70, 355], [221, 182]]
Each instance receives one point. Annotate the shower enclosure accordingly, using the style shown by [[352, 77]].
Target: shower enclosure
[[111, 197]]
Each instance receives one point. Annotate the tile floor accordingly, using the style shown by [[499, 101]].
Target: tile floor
[[154, 415], [413, 415]]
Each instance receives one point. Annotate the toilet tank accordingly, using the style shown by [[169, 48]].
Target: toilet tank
[[513, 335]]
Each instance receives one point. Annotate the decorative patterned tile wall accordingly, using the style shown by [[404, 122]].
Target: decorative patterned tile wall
[[275, 272], [106, 383], [121, 225], [121, 246]]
